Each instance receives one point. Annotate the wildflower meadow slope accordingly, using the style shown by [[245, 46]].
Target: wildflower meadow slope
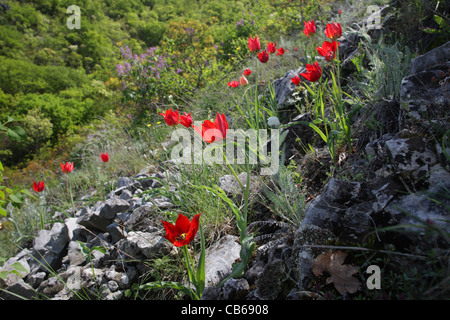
[[261, 151]]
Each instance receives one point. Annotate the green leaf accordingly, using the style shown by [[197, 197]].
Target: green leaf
[[3, 212], [99, 248], [238, 269], [3, 128], [13, 135], [16, 198], [432, 31], [28, 193], [319, 132], [19, 267], [283, 137], [3, 274], [84, 248], [170, 284], [441, 22], [201, 265]]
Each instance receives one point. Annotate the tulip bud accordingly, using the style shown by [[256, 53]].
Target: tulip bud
[[243, 81]]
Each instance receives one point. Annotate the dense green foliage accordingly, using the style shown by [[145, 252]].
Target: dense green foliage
[[72, 94], [60, 84], [67, 77]]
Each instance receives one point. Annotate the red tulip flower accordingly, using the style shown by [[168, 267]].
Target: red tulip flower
[[105, 157], [296, 80], [183, 231], [280, 51], [333, 30], [172, 118], [271, 47], [247, 72], [254, 44], [263, 56], [67, 168], [328, 50], [310, 28], [38, 187], [233, 84], [216, 131], [186, 120], [313, 72]]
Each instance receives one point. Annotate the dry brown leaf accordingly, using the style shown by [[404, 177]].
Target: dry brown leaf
[[341, 275], [321, 263]]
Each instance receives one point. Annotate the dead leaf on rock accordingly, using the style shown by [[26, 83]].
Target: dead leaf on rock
[[340, 273], [321, 263]]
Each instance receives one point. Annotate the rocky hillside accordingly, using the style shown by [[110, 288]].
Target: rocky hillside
[[386, 205]]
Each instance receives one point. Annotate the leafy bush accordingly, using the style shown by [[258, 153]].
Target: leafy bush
[[38, 128], [19, 76]]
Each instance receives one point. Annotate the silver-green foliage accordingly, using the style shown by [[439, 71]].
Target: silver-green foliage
[[388, 65], [287, 201]]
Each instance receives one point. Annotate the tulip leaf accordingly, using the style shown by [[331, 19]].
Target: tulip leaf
[[201, 275]]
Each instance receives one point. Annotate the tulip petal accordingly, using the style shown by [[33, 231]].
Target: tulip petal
[[193, 228], [221, 124], [182, 224]]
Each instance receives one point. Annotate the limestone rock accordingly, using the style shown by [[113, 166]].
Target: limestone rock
[[92, 220], [19, 290], [340, 208], [219, 259], [144, 244], [112, 207], [284, 88]]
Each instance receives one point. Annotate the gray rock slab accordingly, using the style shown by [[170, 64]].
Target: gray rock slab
[[19, 290], [219, 259], [113, 206]]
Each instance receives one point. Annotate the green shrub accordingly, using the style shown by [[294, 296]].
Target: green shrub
[[39, 129]]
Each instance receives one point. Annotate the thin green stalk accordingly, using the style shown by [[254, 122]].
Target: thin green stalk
[[196, 277], [232, 171], [71, 196], [339, 107], [327, 136], [41, 218], [189, 264], [256, 106]]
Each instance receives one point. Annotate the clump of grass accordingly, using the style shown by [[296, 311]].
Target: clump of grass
[[216, 216], [423, 273], [287, 202], [127, 158]]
